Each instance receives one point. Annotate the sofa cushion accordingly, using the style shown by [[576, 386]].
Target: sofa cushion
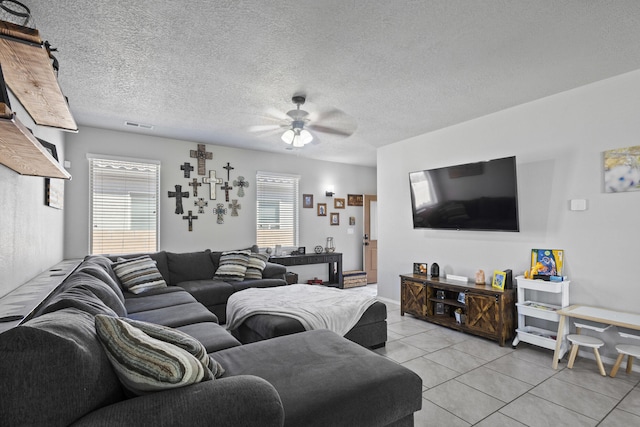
[[79, 297], [255, 266], [102, 266], [54, 370], [190, 266], [146, 364], [325, 380], [233, 265], [208, 291], [144, 302], [213, 336], [90, 285], [104, 273], [176, 315], [138, 275]]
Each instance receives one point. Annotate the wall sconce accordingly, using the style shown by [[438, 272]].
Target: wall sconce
[[329, 192]]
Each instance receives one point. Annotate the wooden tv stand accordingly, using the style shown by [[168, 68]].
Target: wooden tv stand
[[488, 312]]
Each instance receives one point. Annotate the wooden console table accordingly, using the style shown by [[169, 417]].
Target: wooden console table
[[594, 314], [334, 260]]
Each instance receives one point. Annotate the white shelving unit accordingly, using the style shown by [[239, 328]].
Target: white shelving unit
[[527, 308]]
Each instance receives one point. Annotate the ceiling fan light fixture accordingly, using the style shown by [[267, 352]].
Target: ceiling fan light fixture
[[297, 137]]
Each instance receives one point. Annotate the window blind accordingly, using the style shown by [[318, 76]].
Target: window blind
[[277, 209], [124, 205]]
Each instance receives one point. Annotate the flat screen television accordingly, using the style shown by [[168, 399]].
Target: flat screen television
[[473, 196]]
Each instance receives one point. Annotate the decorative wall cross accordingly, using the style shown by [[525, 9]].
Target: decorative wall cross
[[229, 168], [234, 206], [200, 203], [179, 194], [187, 168], [201, 154], [212, 181], [195, 184], [190, 217], [220, 211], [241, 184], [226, 189]]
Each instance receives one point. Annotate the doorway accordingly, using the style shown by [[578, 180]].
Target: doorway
[[370, 238]]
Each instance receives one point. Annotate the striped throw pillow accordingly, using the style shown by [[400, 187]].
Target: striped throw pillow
[[179, 339], [138, 275], [233, 265], [145, 364], [255, 266]]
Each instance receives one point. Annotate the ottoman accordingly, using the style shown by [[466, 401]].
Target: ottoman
[[370, 331]]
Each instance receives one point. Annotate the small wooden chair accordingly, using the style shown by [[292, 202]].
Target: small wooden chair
[[578, 340], [629, 350]]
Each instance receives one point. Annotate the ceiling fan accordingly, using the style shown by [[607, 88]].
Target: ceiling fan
[[301, 126]]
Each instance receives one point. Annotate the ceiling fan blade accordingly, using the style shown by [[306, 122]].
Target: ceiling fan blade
[[331, 130], [263, 128]]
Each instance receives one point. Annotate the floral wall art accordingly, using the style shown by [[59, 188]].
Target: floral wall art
[[622, 169]]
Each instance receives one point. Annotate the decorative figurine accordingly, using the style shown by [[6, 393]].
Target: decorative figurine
[[435, 270], [480, 277]]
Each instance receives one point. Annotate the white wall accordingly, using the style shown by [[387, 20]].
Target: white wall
[[236, 232], [30, 232], [559, 143]]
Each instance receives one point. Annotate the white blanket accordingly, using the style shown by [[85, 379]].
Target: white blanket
[[316, 307]]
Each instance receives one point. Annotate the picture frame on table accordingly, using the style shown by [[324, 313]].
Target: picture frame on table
[[302, 250], [420, 268], [499, 279], [322, 209]]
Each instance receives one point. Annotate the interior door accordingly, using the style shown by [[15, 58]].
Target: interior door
[[370, 238]]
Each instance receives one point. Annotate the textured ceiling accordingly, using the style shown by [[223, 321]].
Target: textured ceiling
[[207, 71]]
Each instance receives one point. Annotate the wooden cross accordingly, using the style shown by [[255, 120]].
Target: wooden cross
[[226, 189], [241, 184], [212, 181], [201, 154], [234, 206], [190, 217], [187, 168], [220, 211], [200, 203], [179, 194], [229, 168], [195, 184]]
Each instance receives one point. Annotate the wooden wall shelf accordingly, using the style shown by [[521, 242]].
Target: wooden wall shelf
[[22, 152], [34, 84], [29, 74]]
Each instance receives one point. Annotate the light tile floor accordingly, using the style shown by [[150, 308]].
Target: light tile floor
[[469, 380]]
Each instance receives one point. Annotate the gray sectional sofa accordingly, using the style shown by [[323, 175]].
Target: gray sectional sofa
[[55, 371]]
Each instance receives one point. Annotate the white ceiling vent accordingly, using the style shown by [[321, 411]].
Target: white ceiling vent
[[138, 125]]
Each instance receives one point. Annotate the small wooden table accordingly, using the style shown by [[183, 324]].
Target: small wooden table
[[595, 314]]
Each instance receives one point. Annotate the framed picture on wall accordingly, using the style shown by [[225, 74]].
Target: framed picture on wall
[[338, 203], [307, 200], [322, 209], [335, 218], [354, 200]]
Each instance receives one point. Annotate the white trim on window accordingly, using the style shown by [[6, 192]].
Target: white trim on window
[[124, 195]]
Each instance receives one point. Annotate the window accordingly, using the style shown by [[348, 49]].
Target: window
[[124, 205], [277, 209]]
